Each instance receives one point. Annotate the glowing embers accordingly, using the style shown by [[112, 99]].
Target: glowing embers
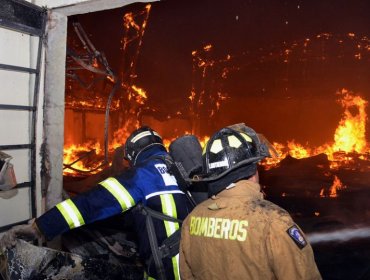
[[102, 106], [138, 94], [93, 103], [208, 78]]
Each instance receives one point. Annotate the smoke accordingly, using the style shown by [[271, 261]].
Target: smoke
[[342, 235]]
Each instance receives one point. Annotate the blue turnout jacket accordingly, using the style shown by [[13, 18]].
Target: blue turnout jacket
[[148, 183]]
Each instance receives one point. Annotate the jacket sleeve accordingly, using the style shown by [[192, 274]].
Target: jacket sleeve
[[109, 198], [185, 270], [290, 254]]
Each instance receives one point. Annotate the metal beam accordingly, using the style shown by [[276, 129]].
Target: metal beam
[[17, 107], [16, 147], [17, 68]]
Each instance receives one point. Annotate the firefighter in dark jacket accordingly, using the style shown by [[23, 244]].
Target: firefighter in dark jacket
[[147, 183], [237, 234]]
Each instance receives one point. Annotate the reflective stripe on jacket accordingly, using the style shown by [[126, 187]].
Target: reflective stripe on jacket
[[148, 183]]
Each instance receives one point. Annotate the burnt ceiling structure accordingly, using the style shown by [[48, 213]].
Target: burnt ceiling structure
[[300, 50]]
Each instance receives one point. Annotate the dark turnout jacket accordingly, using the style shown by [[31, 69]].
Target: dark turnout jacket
[[147, 183]]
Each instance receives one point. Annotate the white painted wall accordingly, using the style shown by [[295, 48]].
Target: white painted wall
[[17, 89]]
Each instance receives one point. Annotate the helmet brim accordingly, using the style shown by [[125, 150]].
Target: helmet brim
[[249, 161]]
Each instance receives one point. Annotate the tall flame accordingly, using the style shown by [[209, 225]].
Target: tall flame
[[349, 136]]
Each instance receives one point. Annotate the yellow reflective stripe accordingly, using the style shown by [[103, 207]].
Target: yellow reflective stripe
[[169, 208], [147, 277], [204, 148], [70, 213], [175, 263], [119, 192]]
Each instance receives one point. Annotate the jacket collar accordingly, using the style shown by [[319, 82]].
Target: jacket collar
[[243, 188], [155, 150]]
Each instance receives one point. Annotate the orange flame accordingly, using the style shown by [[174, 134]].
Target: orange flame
[[139, 94], [269, 163], [73, 153], [336, 186], [297, 150], [349, 136]]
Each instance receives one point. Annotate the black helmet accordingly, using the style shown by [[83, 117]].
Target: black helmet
[[140, 140], [231, 148]]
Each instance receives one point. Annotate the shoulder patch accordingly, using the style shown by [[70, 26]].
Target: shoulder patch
[[169, 180], [297, 236]]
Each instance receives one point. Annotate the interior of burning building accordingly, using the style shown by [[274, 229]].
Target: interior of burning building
[[295, 71]]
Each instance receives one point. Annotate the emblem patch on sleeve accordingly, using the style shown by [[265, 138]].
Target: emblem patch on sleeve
[[297, 236], [169, 180]]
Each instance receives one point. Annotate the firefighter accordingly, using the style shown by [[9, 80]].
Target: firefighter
[[147, 184], [236, 233]]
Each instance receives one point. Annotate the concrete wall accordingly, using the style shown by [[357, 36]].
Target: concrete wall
[[54, 84]]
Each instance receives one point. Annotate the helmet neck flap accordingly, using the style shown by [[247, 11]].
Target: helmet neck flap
[[235, 175]]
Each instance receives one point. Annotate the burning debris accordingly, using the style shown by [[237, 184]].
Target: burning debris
[[349, 149], [120, 100], [132, 101], [334, 188], [20, 263], [87, 72], [349, 139], [330, 173]]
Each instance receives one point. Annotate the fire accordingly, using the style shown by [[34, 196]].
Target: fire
[[297, 150], [269, 163], [96, 103], [350, 134], [336, 186], [349, 137], [121, 134], [139, 94], [74, 154], [203, 141], [128, 21]]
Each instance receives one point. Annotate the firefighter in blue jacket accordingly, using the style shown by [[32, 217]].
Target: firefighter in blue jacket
[[147, 183]]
